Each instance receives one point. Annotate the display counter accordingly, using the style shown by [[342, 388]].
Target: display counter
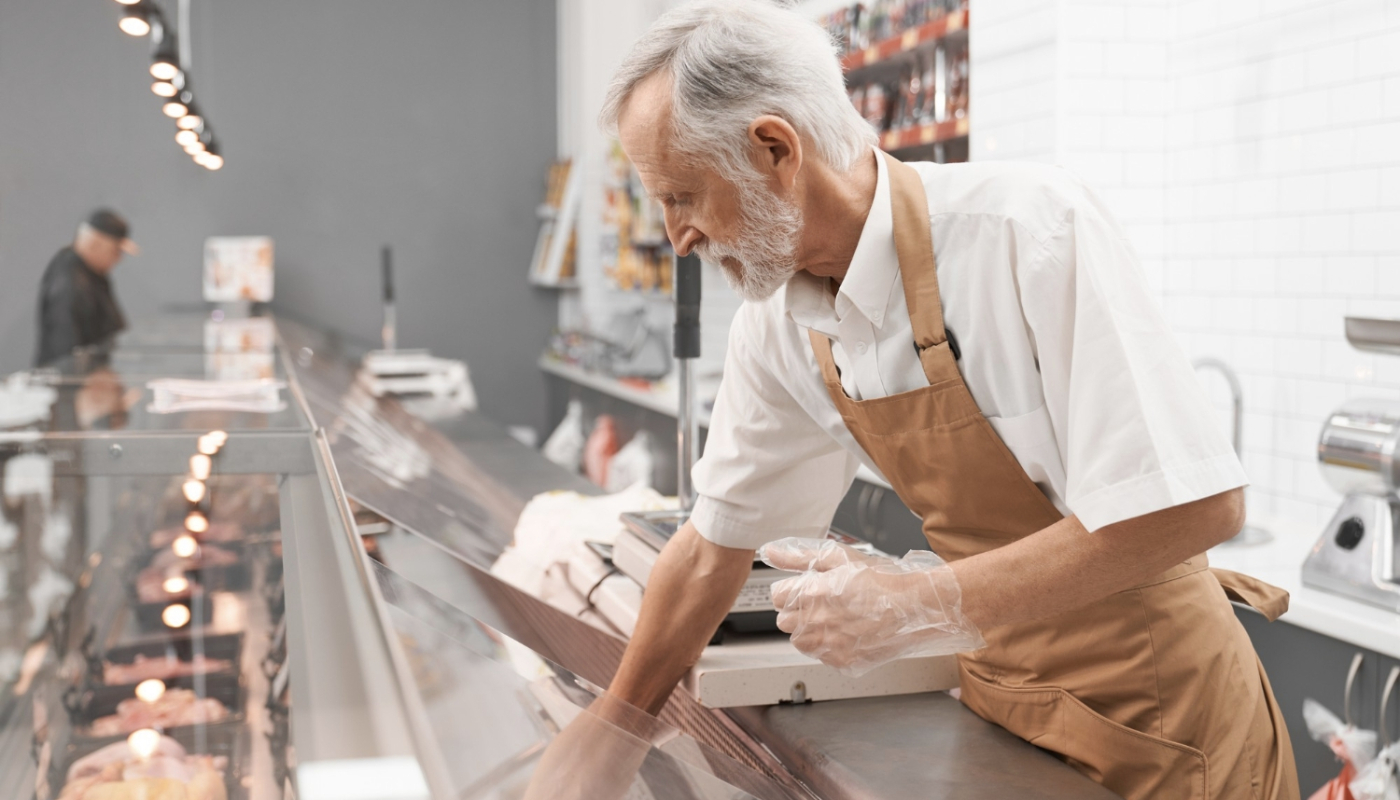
[[316, 618]]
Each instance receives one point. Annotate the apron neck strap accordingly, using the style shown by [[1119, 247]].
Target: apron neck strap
[[913, 241]]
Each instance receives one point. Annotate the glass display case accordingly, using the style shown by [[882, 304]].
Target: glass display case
[[294, 603]]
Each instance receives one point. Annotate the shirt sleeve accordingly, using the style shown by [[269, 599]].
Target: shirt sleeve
[[1135, 429], [768, 469]]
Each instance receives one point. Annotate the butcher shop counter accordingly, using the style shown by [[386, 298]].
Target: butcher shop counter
[[297, 601]]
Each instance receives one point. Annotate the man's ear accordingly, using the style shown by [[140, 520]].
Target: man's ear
[[777, 149]]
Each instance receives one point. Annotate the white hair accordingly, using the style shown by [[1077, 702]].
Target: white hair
[[732, 61]]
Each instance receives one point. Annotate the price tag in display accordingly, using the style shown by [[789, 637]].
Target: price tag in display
[[911, 38]]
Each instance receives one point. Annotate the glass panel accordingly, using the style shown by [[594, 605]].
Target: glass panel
[[112, 390], [394, 464], [550, 734], [140, 632]]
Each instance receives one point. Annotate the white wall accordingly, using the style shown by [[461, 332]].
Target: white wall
[[1283, 214], [1252, 151]]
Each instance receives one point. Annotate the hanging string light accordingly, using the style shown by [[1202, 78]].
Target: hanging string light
[[169, 71]]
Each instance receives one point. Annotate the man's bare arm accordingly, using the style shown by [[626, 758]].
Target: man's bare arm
[[691, 588], [1065, 566]]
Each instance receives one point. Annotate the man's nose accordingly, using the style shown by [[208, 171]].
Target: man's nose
[[683, 237]]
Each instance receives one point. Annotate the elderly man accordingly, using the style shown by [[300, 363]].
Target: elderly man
[[76, 305], [1058, 448]]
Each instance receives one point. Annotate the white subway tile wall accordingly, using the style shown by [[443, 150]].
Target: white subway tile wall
[[1252, 152]]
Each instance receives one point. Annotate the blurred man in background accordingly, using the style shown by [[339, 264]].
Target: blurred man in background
[[77, 307]]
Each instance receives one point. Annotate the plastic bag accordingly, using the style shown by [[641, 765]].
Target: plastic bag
[[1378, 780], [1354, 747], [632, 466], [565, 446], [599, 450]]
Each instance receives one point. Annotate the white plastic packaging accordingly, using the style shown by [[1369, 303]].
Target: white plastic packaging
[[633, 464], [565, 445], [1355, 747]]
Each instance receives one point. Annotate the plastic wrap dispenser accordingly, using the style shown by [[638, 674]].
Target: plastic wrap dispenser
[[1355, 556]]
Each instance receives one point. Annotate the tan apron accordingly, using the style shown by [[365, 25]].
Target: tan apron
[[1154, 692]]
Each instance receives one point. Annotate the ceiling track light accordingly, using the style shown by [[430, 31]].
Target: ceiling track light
[[165, 60], [191, 120], [179, 105], [136, 19]]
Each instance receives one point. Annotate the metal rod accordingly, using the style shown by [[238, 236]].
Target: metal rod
[[390, 332], [687, 433], [183, 40]]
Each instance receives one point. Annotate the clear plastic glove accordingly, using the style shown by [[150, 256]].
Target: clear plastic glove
[[855, 612]]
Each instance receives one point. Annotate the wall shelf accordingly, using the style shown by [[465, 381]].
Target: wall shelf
[[887, 49], [924, 134], [661, 401]]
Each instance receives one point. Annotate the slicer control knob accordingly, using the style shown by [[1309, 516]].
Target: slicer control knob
[[1350, 533]]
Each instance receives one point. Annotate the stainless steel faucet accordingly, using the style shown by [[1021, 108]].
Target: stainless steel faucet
[[1249, 534]]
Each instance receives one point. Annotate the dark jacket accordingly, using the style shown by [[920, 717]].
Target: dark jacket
[[76, 308]]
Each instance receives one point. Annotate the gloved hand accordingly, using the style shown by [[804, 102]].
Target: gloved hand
[[856, 612]]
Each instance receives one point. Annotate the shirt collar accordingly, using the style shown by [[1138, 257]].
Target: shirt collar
[[869, 279]]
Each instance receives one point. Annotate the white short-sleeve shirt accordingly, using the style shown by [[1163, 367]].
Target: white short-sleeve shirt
[[1063, 348]]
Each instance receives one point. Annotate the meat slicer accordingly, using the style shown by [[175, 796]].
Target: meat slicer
[[1357, 450]]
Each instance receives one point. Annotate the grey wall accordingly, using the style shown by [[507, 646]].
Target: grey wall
[[428, 124]]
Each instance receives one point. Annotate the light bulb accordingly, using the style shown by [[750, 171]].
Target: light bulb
[[201, 158], [195, 149], [175, 584], [134, 25], [164, 70], [213, 162], [175, 616], [186, 138], [143, 743], [199, 466], [150, 689], [193, 489], [174, 108], [219, 436], [196, 522], [164, 89], [184, 545], [208, 445], [189, 121], [128, 2]]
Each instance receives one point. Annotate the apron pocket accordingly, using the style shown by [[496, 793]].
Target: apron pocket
[[1131, 763]]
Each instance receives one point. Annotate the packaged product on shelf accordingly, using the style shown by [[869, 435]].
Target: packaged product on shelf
[[957, 85], [876, 106]]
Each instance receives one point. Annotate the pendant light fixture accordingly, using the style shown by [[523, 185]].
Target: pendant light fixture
[[169, 88], [170, 62], [165, 61], [136, 19], [179, 105], [191, 118]]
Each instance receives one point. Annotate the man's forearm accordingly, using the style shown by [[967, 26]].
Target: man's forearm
[[691, 588], [1064, 566]]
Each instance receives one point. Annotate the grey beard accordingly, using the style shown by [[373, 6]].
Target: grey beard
[[765, 248]]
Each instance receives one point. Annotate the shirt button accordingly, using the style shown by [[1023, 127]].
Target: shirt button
[[860, 348]]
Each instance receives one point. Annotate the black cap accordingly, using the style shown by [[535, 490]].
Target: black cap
[[109, 222]]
